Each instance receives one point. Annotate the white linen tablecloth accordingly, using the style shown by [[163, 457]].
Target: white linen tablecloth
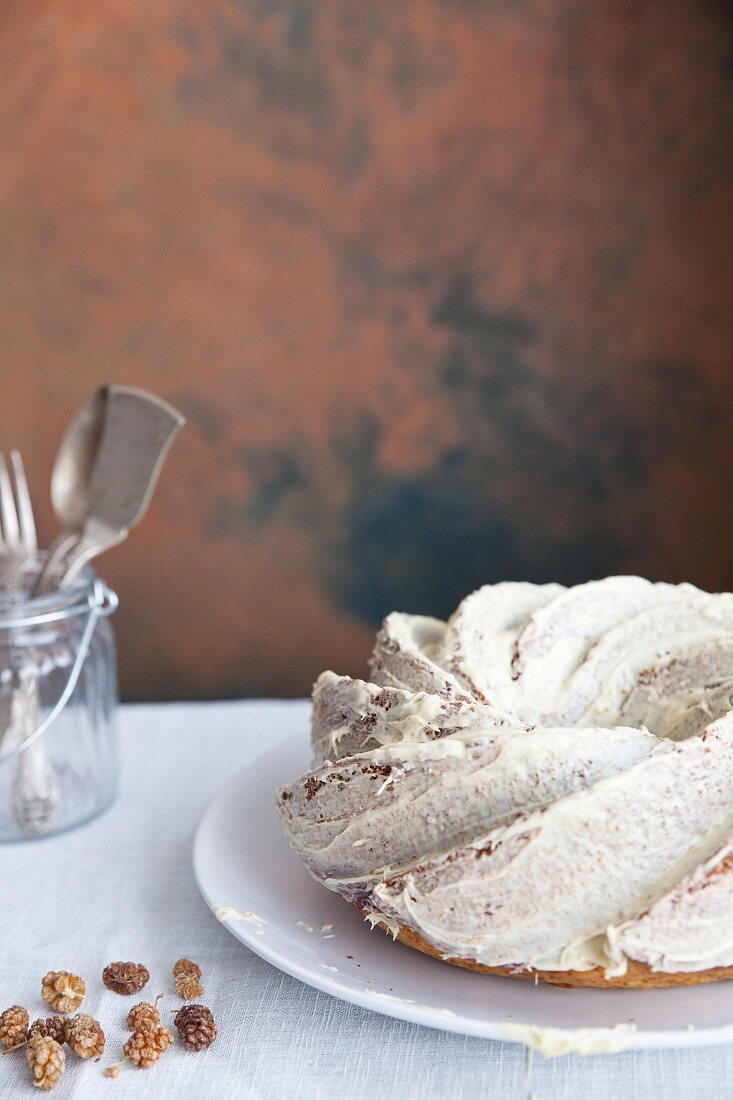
[[122, 888]]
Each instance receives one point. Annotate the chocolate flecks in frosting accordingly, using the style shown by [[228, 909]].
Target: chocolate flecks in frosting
[[312, 787]]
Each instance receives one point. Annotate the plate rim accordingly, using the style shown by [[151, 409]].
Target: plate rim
[[428, 1016]]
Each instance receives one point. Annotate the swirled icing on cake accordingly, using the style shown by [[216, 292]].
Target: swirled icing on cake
[[545, 780]]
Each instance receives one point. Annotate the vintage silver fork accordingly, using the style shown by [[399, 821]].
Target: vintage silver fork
[[35, 790], [18, 542]]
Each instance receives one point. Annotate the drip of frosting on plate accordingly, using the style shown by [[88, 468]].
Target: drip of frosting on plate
[[554, 1041], [546, 780]]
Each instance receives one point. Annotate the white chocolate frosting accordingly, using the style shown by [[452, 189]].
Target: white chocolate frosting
[[544, 781]]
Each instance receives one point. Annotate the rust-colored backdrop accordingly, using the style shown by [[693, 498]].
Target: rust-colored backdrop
[[443, 288]]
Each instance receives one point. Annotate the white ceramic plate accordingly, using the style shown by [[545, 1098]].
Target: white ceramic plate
[[242, 861]]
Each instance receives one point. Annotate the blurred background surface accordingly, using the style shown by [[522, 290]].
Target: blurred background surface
[[443, 289]]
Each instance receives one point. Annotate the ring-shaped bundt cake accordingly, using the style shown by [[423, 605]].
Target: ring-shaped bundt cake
[[541, 787]]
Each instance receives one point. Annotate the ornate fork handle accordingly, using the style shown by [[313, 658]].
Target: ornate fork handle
[[35, 791]]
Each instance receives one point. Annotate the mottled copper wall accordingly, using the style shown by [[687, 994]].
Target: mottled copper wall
[[444, 289]]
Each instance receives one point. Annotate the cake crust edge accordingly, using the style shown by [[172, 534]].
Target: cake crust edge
[[638, 975]]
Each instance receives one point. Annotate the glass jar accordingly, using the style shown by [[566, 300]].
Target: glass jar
[[58, 697]]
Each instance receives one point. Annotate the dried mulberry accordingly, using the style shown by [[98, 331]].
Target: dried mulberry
[[13, 1027], [46, 1059], [145, 1047], [125, 977], [196, 1026], [55, 1026], [63, 991], [186, 975], [85, 1036], [143, 1015]]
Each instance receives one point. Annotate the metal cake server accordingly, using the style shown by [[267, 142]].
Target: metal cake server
[[105, 474]]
